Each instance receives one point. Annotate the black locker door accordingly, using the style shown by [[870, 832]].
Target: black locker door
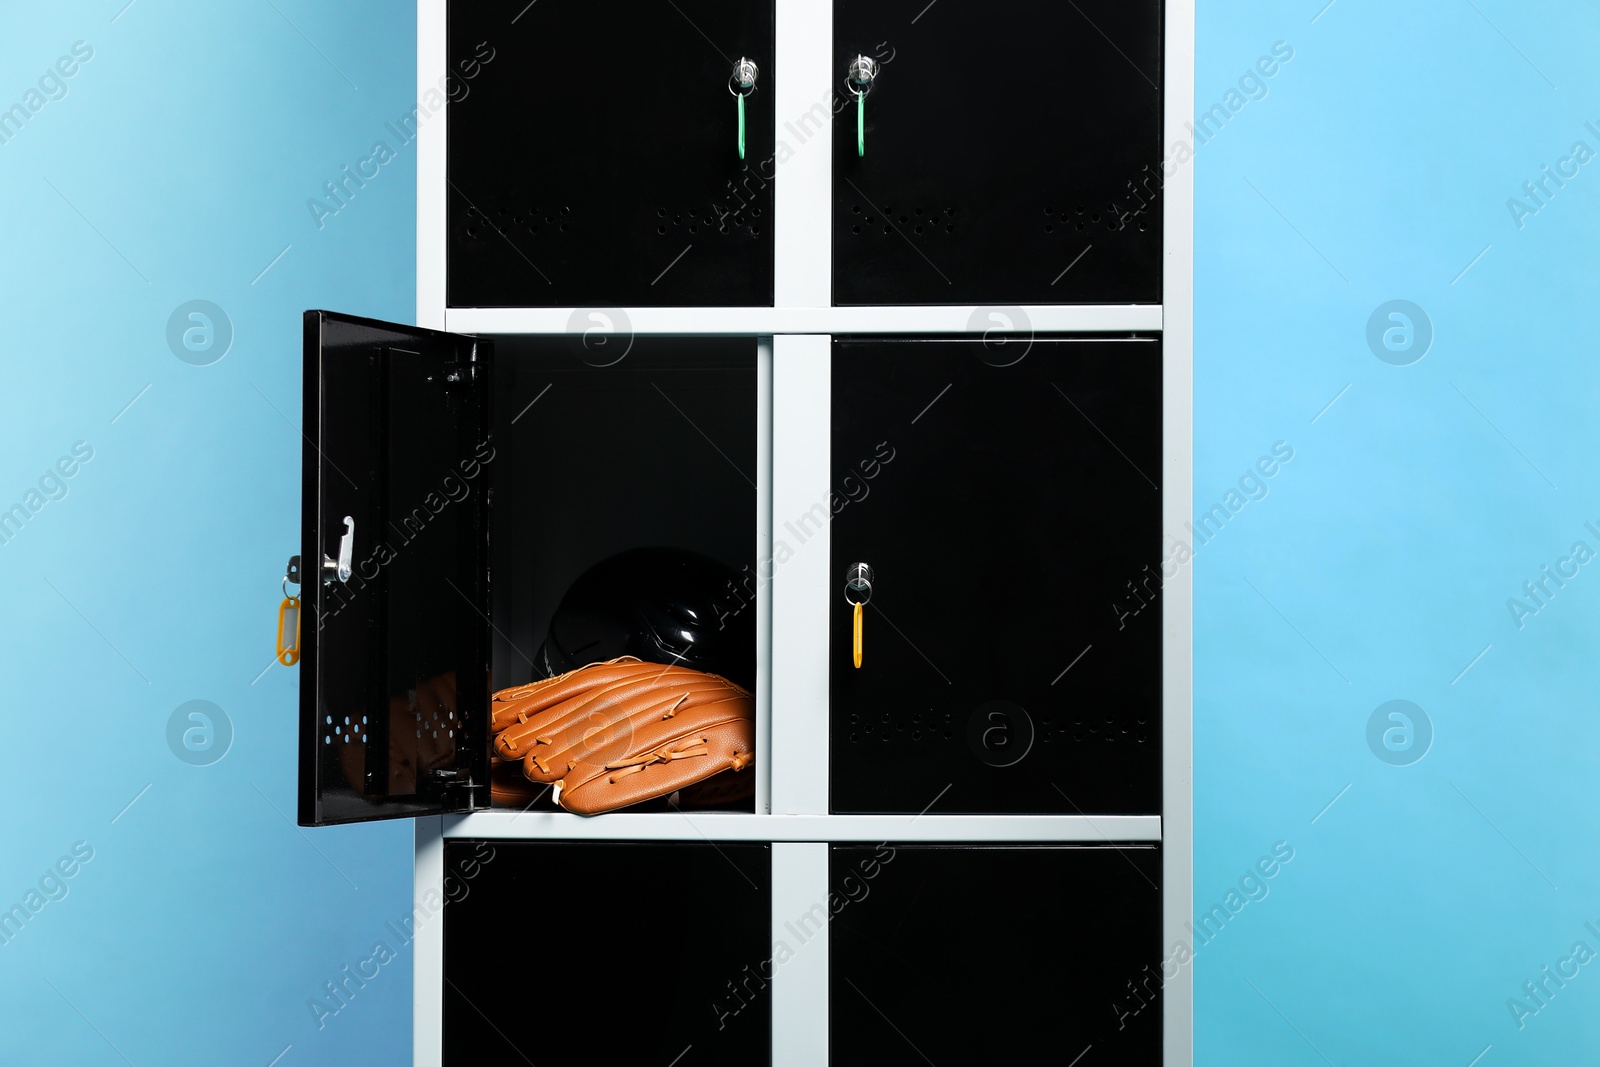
[[593, 158], [394, 685], [995, 955], [608, 952], [1012, 153], [1006, 499]]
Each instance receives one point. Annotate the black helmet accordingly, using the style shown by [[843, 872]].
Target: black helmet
[[664, 605]]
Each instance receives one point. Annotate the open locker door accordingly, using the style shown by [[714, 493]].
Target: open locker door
[[394, 694]]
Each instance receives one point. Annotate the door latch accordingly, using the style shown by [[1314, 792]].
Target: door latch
[[339, 569]]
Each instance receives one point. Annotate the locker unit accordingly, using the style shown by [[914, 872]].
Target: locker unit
[[1012, 157], [968, 818], [919, 913]]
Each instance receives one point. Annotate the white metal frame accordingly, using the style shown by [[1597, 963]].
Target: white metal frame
[[793, 360]]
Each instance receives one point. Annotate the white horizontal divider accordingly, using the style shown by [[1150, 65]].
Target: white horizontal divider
[[744, 826], [800, 916], [759, 321], [798, 572]]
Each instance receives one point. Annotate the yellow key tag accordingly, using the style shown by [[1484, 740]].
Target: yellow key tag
[[289, 619], [857, 642]]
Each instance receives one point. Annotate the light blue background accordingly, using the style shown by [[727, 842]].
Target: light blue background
[[1415, 906], [1378, 567], [190, 142]]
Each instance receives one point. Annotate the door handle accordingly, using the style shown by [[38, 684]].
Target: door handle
[[857, 591], [339, 569]]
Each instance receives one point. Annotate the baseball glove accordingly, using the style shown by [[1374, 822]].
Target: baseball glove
[[620, 732]]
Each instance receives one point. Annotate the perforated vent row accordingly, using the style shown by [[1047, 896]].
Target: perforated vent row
[[933, 727], [517, 222]]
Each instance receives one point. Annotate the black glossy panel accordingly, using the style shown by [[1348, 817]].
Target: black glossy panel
[[995, 955], [1003, 143], [394, 674], [596, 457], [647, 445], [1005, 510], [607, 952], [593, 159]]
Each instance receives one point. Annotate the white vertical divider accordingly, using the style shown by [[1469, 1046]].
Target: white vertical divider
[[427, 946], [800, 577], [803, 158], [1177, 698], [432, 191], [800, 983], [763, 768]]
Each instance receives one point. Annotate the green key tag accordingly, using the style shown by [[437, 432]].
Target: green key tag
[[739, 97], [861, 124]]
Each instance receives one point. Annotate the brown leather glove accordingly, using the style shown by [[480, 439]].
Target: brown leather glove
[[617, 733]]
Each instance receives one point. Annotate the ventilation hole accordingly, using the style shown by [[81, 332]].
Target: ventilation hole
[[693, 228], [1080, 227], [436, 733], [916, 735], [918, 211], [661, 229], [856, 210], [347, 739], [471, 232], [755, 231], [1141, 227], [419, 733], [549, 218], [347, 720], [329, 720], [563, 227], [1049, 229], [919, 229], [949, 211], [739, 219], [1095, 217], [533, 229], [887, 210], [661, 212], [854, 738], [855, 229], [502, 211], [566, 211], [871, 220], [677, 219], [1049, 211], [363, 720], [933, 220], [363, 739], [904, 220], [888, 229], [517, 219], [755, 213], [327, 740], [949, 229]]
